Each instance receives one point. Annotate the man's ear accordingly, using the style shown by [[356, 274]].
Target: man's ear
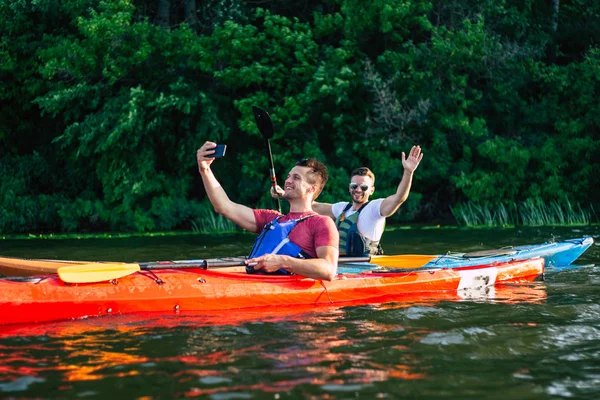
[[372, 189]]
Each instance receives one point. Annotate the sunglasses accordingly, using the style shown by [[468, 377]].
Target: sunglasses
[[363, 186]]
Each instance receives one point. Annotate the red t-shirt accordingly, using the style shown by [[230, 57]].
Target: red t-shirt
[[308, 234]]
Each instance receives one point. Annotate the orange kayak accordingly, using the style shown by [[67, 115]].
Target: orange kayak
[[528, 293], [47, 298]]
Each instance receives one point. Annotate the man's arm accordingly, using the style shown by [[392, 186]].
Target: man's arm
[[320, 208], [323, 209], [241, 215], [324, 267], [391, 203]]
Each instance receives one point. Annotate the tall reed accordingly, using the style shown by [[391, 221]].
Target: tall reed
[[528, 213], [210, 222]]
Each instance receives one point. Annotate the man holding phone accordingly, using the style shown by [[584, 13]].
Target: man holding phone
[[361, 222], [307, 244], [219, 150]]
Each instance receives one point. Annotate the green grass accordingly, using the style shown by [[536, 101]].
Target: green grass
[[213, 223], [527, 213], [99, 235], [109, 235]]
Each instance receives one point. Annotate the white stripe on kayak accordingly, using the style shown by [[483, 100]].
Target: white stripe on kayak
[[478, 278]]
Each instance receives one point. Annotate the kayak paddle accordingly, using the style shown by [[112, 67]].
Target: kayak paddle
[[100, 272], [265, 126], [401, 261]]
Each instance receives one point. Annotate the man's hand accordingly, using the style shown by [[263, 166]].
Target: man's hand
[[277, 191], [268, 262], [203, 155], [415, 156]]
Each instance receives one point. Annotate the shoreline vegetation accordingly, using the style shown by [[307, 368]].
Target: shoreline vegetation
[[526, 213], [106, 102], [467, 215]]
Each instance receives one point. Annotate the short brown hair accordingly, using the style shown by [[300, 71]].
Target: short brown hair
[[318, 173], [363, 171]]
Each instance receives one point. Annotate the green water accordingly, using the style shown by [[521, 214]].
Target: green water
[[534, 342]]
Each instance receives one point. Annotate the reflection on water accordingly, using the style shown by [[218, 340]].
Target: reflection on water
[[276, 350], [524, 341]]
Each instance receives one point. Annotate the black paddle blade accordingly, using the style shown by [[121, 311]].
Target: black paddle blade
[[263, 122]]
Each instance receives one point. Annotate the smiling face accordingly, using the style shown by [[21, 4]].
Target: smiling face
[[297, 184], [360, 194]]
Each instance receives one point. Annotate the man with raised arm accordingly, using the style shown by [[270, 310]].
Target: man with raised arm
[[361, 222], [301, 242]]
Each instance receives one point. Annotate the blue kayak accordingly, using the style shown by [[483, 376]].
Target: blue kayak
[[555, 254]]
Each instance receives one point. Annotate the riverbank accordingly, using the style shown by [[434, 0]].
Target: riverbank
[[126, 235]]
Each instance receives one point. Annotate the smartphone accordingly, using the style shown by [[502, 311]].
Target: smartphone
[[220, 150]]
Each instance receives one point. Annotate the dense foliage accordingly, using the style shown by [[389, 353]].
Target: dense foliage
[[104, 103]]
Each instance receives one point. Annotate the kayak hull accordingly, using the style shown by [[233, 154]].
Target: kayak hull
[[509, 294], [47, 298]]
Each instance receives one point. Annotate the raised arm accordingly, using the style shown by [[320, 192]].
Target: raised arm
[[391, 203], [241, 215]]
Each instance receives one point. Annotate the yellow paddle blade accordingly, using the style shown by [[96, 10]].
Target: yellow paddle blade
[[88, 273], [402, 261]]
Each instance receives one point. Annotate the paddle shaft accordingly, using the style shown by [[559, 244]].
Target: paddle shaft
[[272, 172], [202, 264], [213, 264], [265, 127], [99, 272]]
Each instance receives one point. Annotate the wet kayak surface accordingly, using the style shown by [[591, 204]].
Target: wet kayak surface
[[539, 340]]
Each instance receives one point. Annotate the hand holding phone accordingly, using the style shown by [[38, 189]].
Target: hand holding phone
[[219, 150]]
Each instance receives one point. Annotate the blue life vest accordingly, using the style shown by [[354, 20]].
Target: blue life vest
[[274, 239]]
